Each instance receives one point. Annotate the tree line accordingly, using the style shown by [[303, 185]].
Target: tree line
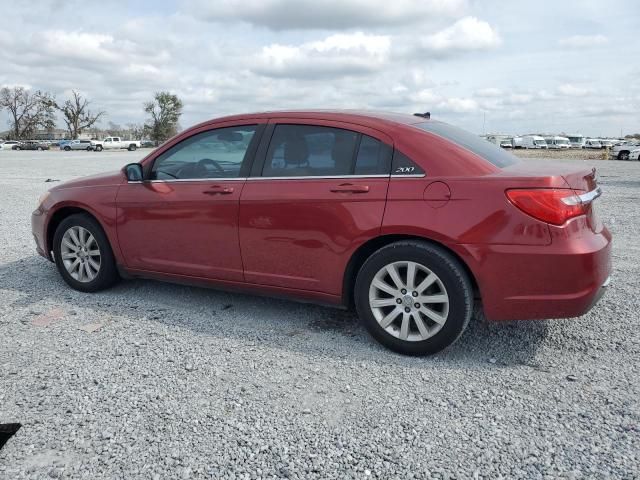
[[30, 111]]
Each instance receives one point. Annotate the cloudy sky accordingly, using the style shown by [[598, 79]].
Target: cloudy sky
[[487, 65]]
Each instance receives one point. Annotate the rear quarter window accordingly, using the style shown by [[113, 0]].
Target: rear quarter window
[[483, 148]]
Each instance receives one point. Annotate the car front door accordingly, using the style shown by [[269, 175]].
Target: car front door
[[183, 218], [316, 192]]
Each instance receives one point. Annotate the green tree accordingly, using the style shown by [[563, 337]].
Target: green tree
[[164, 112]]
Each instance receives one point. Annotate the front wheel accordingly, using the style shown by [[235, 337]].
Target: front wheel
[[623, 156], [67, 149], [132, 148], [99, 148], [89, 149], [413, 297], [83, 255]]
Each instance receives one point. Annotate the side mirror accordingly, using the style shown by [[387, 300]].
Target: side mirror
[[133, 171]]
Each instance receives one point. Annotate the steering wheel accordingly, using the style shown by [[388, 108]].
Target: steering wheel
[[203, 171]]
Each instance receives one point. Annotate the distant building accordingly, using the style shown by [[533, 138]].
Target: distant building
[[55, 134]]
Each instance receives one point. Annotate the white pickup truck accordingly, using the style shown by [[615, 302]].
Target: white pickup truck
[[112, 143]]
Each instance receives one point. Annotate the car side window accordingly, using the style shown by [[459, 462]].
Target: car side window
[[309, 150], [318, 151], [374, 157], [217, 153]]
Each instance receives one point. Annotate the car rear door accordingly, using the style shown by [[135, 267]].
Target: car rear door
[[317, 191], [183, 219]]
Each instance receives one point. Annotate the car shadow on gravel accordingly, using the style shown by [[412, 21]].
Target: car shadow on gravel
[[297, 326]]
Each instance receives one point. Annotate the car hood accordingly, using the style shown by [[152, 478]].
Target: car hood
[[99, 180]]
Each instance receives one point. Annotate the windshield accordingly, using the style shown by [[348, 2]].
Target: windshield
[[539, 142], [483, 148], [562, 142]]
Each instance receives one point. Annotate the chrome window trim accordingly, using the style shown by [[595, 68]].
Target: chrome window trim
[[318, 177], [413, 175], [302, 177]]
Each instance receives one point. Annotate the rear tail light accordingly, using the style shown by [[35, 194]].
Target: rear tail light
[[551, 205]]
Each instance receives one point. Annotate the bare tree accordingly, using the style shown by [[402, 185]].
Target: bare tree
[[76, 114], [28, 111], [165, 111], [136, 131]]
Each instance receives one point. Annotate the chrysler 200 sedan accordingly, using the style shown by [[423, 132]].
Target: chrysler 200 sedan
[[411, 221]]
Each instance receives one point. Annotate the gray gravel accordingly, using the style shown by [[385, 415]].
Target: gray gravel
[[153, 380]]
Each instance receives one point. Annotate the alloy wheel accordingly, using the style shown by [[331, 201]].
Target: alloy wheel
[[409, 301], [80, 254]]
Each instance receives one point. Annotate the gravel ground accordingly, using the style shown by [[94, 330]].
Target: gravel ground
[[150, 380]]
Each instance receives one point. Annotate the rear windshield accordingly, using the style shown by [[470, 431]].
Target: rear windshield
[[483, 148]]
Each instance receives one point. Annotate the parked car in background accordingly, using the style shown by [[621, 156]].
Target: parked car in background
[[605, 142], [506, 143], [147, 144], [622, 151], [576, 140], [112, 143], [593, 143], [557, 142], [392, 214], [9, 144], [31, 145], [533, 141], [77, 145]]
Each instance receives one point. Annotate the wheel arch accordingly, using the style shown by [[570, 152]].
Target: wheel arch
[[365, 250], [64, 212]]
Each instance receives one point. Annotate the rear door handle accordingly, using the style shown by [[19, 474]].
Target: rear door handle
[[218, 190], [350, 188]]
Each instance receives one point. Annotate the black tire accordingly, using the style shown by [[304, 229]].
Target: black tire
[[89, 149], [17, 148], [450, 272], [107, 274], [41, 149], [67, 149], [99, 148], [624, 155], [132, 148]]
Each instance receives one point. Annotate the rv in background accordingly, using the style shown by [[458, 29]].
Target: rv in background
[[533, 141], [516, 142], [576, 141], [499, 139], [592, 143], [557, 142]]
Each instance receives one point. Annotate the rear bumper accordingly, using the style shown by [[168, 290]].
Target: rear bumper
[[562, 280]]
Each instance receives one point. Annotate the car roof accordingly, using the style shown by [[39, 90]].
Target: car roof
[[368, 118]]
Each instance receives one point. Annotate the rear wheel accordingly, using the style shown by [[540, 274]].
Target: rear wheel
[[66, 149], [414, 297], [132, 148], [623, 155], [89, 149], [99, 148], [83, 255]]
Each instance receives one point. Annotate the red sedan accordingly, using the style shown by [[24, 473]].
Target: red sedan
[[410, 220]]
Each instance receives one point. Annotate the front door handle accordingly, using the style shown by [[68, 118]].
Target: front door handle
[[218, 190], [350, 188]]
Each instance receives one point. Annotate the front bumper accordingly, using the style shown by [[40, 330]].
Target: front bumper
[[38, 225]]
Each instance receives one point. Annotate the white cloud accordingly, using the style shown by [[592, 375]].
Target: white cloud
[[489, 92], [467, 34], [571, 90], [457, 105], [326, 14], [336, 55], [584, 41]]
